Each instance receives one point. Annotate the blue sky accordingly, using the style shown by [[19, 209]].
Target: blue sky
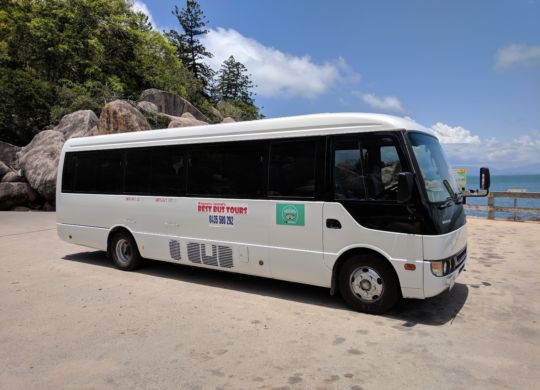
[[468, 69]]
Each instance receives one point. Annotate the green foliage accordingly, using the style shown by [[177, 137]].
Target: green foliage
[[239, 111], [189, 48], [58, 56], [156, 120], [232, 91], [24, 105], [233, 83]]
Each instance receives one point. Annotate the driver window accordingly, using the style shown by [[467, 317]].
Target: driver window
[[382, 165], [349, 182]]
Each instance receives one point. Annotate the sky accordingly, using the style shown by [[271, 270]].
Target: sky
[[470, 70]]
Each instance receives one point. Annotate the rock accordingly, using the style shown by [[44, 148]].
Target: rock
[[217, 114], [4, 169], [119, 117], [15, 194], [186, 120], [48, 207], [147, 107], [20, 208], [39, 162], [228, 120], [8, 154], [77, 123], [171, 104], [12, 177]]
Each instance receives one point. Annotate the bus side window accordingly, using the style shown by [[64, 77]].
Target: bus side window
[[292, 169], [109, 172], [226, 170], [68, 172], [349, 181], [382, 164]]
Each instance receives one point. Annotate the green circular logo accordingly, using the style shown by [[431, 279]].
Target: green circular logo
[[290, 214]]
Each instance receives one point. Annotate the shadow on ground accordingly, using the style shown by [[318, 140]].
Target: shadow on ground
[[433, 311]]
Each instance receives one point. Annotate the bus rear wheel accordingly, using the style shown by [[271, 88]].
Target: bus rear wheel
[[368, 284], [124, 252]]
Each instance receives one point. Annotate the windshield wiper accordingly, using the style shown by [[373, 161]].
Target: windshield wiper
[[453, 196], [450, 190], [447, 203]]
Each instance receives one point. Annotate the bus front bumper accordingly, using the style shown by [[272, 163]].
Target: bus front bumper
[[435, 285]]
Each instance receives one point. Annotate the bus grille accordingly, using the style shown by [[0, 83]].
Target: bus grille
[[174, 249], [225, 256], [209, 259], [220, 256], [194, 252]]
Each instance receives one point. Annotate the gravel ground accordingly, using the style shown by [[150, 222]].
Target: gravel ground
[[69, 320]]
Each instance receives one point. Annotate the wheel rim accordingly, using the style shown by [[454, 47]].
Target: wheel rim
[[366, 284], [123, 250]]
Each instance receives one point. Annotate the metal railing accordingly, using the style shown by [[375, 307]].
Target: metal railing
[[492, 208]]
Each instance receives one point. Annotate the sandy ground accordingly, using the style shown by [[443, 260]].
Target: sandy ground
[[68, 320]]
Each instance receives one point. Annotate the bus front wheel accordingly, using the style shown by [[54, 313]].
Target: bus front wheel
[[124, 251], [368, 284]]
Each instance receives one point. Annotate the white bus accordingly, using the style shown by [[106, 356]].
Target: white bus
[[363, 204]]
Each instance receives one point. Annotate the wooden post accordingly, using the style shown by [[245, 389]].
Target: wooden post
[[491, 206]]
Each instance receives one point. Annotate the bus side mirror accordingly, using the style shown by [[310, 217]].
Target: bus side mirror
[[485, 180], [405, 187]]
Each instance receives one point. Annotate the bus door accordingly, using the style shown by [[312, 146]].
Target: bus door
[[363, 190], [295, 230]]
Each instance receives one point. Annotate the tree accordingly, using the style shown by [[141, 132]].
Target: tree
[[234, 83], [189, 48]]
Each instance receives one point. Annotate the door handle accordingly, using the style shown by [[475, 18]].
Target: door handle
[[333, 224]]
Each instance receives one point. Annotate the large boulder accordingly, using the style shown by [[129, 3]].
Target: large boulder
[[8, 154], [39, 162], [77, 124], [186, 120], [4, 169], [16, 194], [12, 177], [147, 107], [218, 115], [120, 117], [171, 104], [228, 120]]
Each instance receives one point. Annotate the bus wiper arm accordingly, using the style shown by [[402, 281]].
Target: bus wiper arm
[[449, 202], [450, 190]]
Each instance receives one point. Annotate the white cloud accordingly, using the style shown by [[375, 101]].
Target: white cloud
[[275, 73], [516, 54], [523, 151], [140, 6], [454, 135], [385, 103]]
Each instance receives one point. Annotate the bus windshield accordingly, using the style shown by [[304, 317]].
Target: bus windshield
[[436, 171]]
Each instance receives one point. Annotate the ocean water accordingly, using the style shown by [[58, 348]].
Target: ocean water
[[502, 183]]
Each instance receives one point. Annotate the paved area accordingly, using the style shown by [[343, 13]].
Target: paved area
[[69, 320]]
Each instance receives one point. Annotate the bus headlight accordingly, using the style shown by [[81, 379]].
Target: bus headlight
[[440, 268]]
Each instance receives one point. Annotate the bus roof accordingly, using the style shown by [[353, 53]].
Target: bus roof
[[286, 127]]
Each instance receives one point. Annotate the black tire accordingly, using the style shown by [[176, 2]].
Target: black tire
[[381, 288], [124, 251]]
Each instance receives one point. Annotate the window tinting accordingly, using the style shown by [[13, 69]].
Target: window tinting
[[99, 172], [227, 169], [348, 179], [155, 171], [292, 169], [382, 165], [68, 172]]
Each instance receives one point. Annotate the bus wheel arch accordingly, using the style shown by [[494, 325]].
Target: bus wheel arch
[[355, 253], [118, 237]]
